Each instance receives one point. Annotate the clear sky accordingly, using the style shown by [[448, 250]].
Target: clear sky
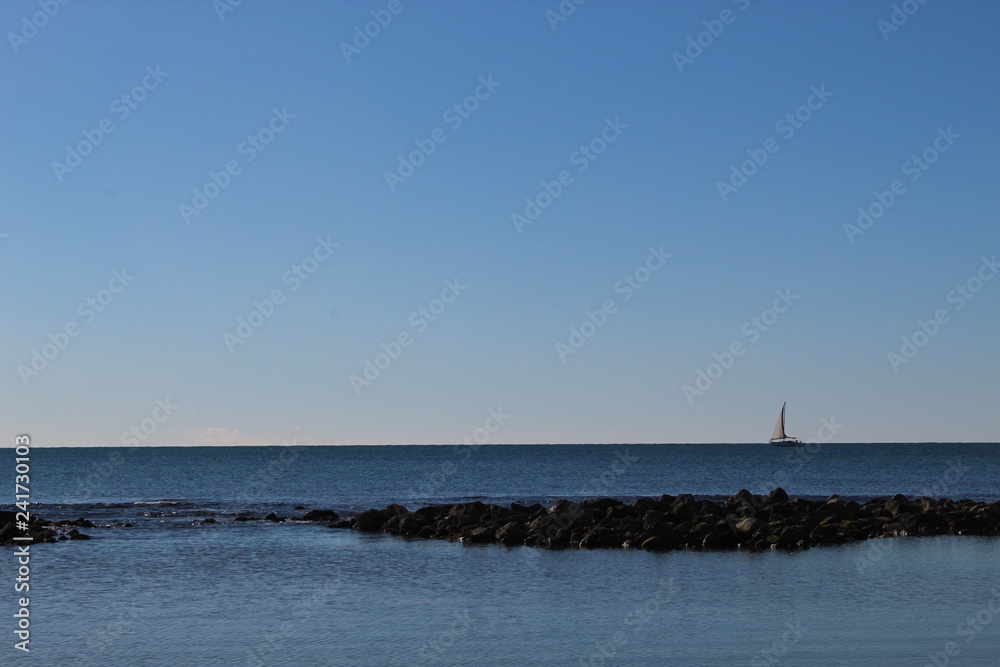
[[629, 126]]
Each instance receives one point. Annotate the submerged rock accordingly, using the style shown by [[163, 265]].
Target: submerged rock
[[38, 530]]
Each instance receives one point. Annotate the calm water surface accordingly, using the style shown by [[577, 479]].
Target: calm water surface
[[171, 592]]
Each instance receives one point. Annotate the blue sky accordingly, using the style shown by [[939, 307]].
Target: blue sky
[[200, 90]]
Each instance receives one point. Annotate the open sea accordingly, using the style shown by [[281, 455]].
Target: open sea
[[170, 591]]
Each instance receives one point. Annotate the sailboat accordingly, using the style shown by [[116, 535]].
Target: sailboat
[[781, 439]]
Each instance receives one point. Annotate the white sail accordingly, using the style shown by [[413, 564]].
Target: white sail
[[779, 428]]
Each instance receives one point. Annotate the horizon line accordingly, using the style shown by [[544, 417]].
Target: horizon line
[[497, 444]]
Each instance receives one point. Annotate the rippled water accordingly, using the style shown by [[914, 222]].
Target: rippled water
[[172, 592]]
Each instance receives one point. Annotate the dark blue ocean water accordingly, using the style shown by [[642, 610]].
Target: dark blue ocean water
[[169, 591]]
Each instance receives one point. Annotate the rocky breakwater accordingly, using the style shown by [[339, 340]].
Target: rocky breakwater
[[40, 530], [744, 521]]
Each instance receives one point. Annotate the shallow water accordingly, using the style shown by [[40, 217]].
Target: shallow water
[[298, 594]]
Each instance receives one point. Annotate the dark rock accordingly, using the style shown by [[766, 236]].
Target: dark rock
[[776, 496], [398, 510], [410, 524], [319, 515], [657, 544], [511, 533], [299, 507], [743, 521], [612, 540], [391, 525], [208, 520], [369, 520], [750, 526], [591, 539], [741, 497], [484, 535], [790, 536], [719, 539], [274, 518], [601, 505]]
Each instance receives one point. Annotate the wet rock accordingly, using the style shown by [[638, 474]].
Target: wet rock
[[318, 515], [410, 524], [743, 521], [369, 520], [776, 496], [274, 518], [719, 539], [484, 535], [750, 526], [207, 521], [511, 533], [600, 505], [591, 539], [657, 544]]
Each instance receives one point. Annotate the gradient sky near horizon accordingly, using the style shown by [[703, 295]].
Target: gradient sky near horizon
[[495, 346]]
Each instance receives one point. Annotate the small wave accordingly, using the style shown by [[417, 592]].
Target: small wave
[[157, 502]]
